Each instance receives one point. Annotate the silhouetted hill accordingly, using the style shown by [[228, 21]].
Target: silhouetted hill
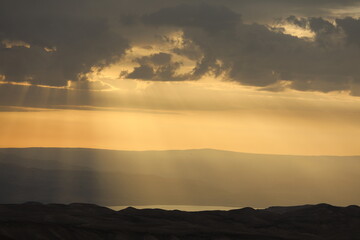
[[88, 222]]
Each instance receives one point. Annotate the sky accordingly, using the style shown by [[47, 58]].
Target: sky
[[258, 76]]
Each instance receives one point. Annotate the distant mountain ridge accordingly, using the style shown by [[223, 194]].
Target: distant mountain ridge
[[179, 177]]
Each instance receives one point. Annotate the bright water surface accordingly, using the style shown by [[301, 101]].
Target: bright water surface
[[188, 208]]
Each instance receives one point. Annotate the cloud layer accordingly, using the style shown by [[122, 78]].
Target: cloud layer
[[51, 42], [56, 47], [256, 55]]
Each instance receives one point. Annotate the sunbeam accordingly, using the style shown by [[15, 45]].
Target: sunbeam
[[203, 104]]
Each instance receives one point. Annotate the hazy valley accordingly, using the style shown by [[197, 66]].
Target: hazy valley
[[187, 177]]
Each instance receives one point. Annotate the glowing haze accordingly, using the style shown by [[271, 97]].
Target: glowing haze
[[273, 76]]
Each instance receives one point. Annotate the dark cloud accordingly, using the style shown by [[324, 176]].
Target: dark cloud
[[143, 72], [300, 22], [157, 67], [208, 17], [255, 55], [189, 50], [61, 46], [351, 28], [50, 42], [264, 11]]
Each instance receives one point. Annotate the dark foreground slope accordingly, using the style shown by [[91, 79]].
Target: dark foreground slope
[[85, 221]]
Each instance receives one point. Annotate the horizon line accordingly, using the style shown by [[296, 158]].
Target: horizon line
[[187, 149]]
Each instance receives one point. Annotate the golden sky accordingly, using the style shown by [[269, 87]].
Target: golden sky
[[245, 76], [188, 115], [253, 76]]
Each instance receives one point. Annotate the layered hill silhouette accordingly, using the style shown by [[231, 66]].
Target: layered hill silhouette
[[188, 177], [92, 222]]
